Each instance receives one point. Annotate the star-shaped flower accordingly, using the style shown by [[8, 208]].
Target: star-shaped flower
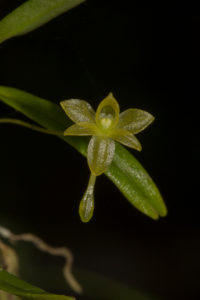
[[105, 126]]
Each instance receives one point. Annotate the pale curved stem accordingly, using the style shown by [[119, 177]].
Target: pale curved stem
[[41, 245], [29, 126]]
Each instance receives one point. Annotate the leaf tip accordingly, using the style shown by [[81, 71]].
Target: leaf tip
[[164, 212], [155, 216]]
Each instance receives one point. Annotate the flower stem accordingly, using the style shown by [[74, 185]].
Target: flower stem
[[30, 126]]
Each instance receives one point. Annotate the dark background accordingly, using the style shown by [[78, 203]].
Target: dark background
[[149, 59]]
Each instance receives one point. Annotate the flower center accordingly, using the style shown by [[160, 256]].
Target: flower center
[[106, 122]]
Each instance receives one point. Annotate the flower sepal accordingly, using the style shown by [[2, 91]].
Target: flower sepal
[[86, 206]]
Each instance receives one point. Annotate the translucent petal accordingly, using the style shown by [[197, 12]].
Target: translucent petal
[[135, 120], [86, 206], [126, 138], [100, 154], [78, 110], [107, 114], [83, 128]]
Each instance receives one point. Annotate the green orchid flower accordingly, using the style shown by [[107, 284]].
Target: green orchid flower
[[105, 126]]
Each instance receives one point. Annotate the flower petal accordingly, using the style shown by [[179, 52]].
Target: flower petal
[[78, 110], [100, 154], [135, 120], [126, 138], [86, 206], [83, 128], [107, 115]]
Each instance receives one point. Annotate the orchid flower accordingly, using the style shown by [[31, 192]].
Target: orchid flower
[[105, 126]]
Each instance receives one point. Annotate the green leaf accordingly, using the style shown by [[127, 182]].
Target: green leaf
[[135, 184], [31, 15], [125, 171], [15, 286]]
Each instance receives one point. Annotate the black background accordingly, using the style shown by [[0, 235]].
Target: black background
[[148, 57]]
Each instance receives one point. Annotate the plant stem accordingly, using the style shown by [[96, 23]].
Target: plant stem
[[29, 126]]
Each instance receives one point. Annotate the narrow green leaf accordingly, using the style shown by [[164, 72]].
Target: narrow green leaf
[[135, 183], [125, 171], [15, 286], [31, 15]]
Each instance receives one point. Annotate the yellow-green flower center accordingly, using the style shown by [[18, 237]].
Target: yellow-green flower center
[[106, 123]]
